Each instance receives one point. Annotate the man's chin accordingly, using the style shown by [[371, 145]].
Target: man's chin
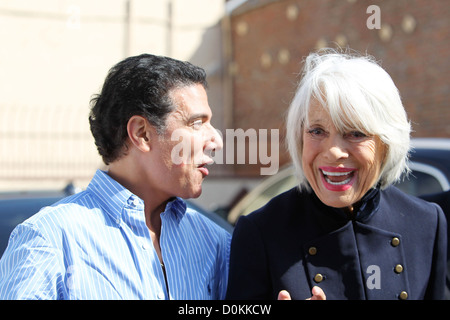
[[197, 194], [193, 194]]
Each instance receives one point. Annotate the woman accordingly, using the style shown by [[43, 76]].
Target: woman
[[344, 228]]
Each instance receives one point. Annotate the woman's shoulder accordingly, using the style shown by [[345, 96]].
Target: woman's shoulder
[[394, 195], [282, 205], [408, 205], [287, 197]]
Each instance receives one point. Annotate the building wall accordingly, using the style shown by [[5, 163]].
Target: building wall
[[270, 38], [55, 54]]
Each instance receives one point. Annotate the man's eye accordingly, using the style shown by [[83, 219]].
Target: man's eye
[[197, 124]]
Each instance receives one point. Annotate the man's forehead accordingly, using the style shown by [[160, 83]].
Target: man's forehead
[[190, 101]]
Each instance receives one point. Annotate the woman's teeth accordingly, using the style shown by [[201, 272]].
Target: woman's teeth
[[337, 178]]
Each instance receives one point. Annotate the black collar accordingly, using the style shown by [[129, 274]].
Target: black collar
[[362, 211]]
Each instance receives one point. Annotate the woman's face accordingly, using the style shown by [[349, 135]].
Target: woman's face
[[340, 166]]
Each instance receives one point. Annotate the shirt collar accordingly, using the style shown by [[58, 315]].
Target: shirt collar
[[111, 194], [177, 207], [114, 197]]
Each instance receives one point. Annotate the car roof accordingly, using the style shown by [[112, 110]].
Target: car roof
[[437, 156], [431, 143]]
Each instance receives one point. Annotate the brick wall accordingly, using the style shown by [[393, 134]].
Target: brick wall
[[269, 39]]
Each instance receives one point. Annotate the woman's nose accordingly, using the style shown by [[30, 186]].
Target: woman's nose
[[336, 149]]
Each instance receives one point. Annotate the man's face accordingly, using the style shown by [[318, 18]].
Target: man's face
[[181, 154]]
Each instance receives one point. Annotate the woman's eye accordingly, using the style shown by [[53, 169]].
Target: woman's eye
[[355, 135], [197, 124], [316, 132]]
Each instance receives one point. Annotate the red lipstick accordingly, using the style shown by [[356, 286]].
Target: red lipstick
[[337, 178]]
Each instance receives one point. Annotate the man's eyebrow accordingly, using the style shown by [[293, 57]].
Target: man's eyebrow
[[198, 116]]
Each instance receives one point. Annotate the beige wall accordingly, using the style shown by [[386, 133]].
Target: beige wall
[[54, 55]]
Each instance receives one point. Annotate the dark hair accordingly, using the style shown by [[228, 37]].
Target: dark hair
[[138, 85]]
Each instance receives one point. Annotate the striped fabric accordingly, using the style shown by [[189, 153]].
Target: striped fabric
[[96, 245]]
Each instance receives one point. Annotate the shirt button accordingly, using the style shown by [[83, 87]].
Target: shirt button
[[318, 278], [403, 295], [398, 268], [136, 202], [395, 242], [160, 295], [312, 251]]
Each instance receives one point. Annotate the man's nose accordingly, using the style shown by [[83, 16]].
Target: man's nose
[[214, 140]]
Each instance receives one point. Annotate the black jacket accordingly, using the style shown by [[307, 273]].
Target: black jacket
[[393, 248], [443, 200]]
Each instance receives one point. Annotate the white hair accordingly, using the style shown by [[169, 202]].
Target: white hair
[[358, 94]]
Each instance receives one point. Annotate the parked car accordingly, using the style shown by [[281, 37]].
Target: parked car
[[16, 207], [429, 162]]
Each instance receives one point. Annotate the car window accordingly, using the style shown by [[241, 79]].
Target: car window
[[420, 183]]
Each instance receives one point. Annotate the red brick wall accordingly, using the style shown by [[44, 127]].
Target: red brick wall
[[418, 61]]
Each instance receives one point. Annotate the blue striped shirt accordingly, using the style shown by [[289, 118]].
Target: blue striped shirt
[[96, 245]]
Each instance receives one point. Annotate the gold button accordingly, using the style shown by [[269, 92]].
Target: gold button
[[312, 251], [403, 295], [398, 268], [318, 278], [395, 242]]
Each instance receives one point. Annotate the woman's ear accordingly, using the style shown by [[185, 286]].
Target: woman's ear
[[139, 131]]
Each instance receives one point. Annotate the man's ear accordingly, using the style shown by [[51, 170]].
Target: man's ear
[[139, 132]]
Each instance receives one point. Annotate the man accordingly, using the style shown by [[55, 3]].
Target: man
[[129, 235]]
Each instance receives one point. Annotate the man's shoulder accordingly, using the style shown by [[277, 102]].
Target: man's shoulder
[[204, 219], [66, 213], [204, 226]]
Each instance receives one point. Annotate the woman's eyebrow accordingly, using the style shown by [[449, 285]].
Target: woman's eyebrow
[[315, 121]]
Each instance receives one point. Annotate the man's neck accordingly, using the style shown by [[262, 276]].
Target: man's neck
[[154, 202]]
